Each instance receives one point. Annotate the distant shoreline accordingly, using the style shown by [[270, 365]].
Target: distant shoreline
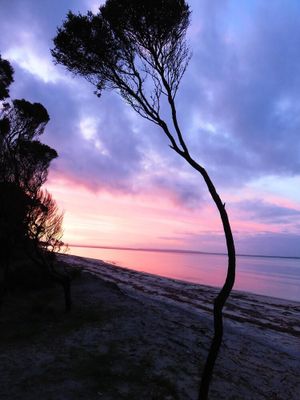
[[178, 251]]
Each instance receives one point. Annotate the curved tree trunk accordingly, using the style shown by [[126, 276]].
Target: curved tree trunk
[[226, 289], [230, 278]]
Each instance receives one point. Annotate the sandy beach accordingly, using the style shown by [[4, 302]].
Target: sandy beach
[[132, 335]]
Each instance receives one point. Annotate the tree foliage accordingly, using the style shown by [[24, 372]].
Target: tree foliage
[[6, 78], [24, 160], [138, 48], [24, 163], [133, 46], [30, 222], [45, 222]]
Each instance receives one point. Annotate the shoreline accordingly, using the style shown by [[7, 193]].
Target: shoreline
[[278, 278], [132, 335], [270, 312]]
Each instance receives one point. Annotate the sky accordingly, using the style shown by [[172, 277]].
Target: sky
[[117, 180]]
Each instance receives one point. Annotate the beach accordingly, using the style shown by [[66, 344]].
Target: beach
[[133, 335]]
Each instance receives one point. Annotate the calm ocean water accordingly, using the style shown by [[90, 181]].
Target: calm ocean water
[[277, 277]]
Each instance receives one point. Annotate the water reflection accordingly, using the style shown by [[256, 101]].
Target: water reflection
[[277, 277]]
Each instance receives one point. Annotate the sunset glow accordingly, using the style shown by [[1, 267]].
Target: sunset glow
[[154, 220]]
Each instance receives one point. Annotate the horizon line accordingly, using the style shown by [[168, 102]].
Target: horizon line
[[175, 251]]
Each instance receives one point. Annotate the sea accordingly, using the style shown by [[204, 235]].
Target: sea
[[271, 276]]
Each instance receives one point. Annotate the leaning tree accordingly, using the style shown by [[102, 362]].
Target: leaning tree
[[138, 48]]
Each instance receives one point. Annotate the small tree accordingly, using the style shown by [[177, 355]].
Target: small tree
[[29, 218], [138, 48], [45, 222], [44, 234]]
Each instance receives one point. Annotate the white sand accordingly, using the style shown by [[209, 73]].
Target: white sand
[[146, 337], [262, 334]]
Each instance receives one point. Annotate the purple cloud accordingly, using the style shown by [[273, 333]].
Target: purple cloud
[[262, 211], [239, 102]]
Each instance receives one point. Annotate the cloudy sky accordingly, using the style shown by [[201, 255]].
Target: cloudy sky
[[239, 108]]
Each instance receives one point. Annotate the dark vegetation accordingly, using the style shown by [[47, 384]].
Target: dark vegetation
[[138, 48], [30, 222]]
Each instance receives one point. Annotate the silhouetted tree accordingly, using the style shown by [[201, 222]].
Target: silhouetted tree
[[24, 160], [29, 218], [45, 222], [6, 78], [44, 230], [138, 48]]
